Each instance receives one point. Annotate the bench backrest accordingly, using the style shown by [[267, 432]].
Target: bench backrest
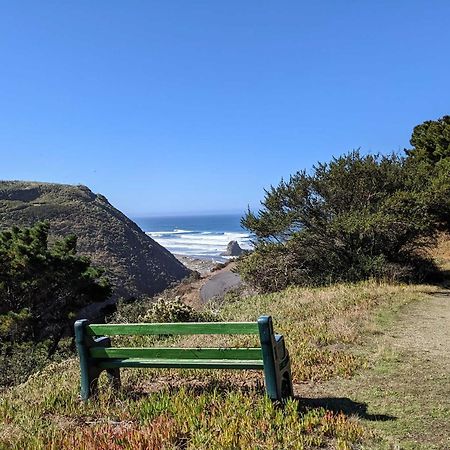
[[145, 329], [191, 328]]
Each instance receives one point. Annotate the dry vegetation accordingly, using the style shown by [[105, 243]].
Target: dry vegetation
[[442, 251], [326, 330]]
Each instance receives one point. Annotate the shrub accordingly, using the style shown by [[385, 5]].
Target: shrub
[[42, 287], [354, 218], [19, 360], [174, 310]]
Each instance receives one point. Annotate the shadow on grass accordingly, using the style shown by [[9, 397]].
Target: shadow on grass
[[341, 405], [198, 387], [195, 386]]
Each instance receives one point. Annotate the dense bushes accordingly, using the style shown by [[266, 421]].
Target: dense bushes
[[41, 289], [353, 218]]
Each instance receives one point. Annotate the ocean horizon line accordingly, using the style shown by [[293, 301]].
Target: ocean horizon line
[[185, 214]]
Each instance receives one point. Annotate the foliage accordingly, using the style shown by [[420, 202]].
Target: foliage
[[430, 161], [165, 310], [42, 287], [431, 140], [353, 218], [18, 360]]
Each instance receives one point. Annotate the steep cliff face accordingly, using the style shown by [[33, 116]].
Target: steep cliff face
[[134, 262]]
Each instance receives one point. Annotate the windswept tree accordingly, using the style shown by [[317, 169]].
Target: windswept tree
[[429, 159], [352, 218], [431, 140]]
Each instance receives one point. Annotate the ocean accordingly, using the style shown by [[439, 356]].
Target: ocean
[[201, 236]]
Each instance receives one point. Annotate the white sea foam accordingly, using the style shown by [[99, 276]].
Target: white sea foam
[[205, 244], [176, 231]]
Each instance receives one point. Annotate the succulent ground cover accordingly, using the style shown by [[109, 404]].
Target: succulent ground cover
[[330, 333]]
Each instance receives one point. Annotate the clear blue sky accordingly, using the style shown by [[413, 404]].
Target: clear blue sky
[[191, 106]]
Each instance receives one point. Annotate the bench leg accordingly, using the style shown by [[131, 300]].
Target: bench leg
[[89, 382], [88, 370], [277, 365], [287, 389], [272, 375]]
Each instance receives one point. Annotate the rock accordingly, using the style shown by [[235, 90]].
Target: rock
[[233, 249]]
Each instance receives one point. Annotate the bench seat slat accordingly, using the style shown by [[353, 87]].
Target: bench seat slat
[[182, 363], [139, 329], [172, 353]]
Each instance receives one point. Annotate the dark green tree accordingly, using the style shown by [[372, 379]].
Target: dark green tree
[[353, 218], [43, 286], [429, 160], [431, 140]]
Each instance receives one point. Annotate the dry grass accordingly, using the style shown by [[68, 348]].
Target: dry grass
[[324, 329], [323, 326], [441, 253], [408, 383]]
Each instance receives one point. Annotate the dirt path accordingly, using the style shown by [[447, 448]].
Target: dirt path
[[404, 397], [425, 328], [219, 284]]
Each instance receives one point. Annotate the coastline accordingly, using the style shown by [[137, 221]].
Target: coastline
[[203, 266]]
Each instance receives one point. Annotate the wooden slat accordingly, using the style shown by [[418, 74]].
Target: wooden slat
[[181, 353], [182, 363], [138, 329]]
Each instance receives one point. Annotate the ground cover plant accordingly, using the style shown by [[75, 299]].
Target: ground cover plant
[[325, 331]]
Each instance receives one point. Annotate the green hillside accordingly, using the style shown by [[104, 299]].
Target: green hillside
[[135, 263]]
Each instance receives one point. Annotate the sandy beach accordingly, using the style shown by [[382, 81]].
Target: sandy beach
[[202, 266]]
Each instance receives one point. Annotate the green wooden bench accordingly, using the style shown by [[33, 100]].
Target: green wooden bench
[[96, 353]]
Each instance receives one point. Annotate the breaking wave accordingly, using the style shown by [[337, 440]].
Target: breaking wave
[[199, 244]]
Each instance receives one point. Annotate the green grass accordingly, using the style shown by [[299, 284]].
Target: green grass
[[411, 392], [328, 332], [46, 412]]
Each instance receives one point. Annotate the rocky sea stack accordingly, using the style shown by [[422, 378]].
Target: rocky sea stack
[[233, 249], [134, 262]]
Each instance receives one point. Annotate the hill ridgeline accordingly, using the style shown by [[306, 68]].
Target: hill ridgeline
[[134, 262]]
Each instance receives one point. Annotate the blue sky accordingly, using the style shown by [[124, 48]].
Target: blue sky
[[194, 106]]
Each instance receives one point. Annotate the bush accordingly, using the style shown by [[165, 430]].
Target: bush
[[42, 287], [354, 218], [19, 360], [168, 310]]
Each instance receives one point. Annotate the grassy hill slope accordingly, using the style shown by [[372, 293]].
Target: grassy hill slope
[[332, 335]]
